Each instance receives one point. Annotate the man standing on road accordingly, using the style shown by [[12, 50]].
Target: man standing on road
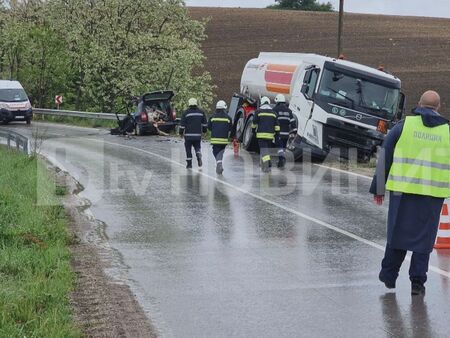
[[288, 126], [193, 124], [220, 126], [414, 165], [267, 129]]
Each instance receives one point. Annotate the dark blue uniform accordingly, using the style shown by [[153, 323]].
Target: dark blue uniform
[[220, 125], [412, 219], [288, 126], [193, 123]]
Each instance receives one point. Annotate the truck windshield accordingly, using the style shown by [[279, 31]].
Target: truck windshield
[[13, 95], [359, 93]]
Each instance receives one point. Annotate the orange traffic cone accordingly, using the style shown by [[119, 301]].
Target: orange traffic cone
[[443, 237]]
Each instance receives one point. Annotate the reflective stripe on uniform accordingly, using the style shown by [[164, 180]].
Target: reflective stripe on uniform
[[217, 140], [220, 119], [267, 136], [192, 134], [284, 133], [182, 127], [266, 158], [421, 181], [422, 163], [277, 128], [284, 118], [268, 115], [254, 125], [194, 114]]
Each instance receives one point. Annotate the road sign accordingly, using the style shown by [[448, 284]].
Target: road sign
[[58, 100]]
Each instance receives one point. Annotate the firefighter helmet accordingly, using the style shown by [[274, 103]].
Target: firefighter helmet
[[280, 98], [265, 100], [193, 102], [221, 105]]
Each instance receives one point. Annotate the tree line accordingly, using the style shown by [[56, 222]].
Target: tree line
[[98, 53], [303, 5]]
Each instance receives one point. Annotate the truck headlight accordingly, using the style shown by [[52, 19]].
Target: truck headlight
[[3, 106]]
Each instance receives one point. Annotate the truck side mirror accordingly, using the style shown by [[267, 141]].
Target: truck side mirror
[[401, 106]]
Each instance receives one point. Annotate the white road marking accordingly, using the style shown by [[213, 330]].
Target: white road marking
[[343, 171], [295, 212]]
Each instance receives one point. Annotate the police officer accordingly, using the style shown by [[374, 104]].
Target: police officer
[[288, 126], [415, 165], [193, 124], [220, 126], [267, 130]]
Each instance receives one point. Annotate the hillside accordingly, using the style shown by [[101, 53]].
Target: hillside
[[417, 50]]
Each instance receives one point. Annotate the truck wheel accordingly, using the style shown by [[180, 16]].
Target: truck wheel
[[240, 125], [249, 141]]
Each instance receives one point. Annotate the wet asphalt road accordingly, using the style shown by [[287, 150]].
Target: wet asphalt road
[[291, 254]]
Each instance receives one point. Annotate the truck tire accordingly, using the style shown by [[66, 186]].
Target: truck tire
[[249, 141], [239, 125]]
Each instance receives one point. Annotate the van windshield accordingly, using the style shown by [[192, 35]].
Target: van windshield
[[13, 95], [359, 93]]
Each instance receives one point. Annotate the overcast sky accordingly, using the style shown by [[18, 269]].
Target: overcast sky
[[436, 8]]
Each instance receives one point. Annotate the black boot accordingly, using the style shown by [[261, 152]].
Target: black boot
[[265, 167], [199, 160], [189, 164], [389, 284], [417, 289], [281, 162], [219, 168]]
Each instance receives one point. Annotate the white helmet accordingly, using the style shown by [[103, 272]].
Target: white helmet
[[265, 100], [280, 98], [221, 105], [193, 102]]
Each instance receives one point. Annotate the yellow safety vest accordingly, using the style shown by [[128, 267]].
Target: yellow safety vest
[[421, 163]]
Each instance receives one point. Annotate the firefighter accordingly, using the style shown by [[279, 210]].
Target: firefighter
[[414, 165], [288, 126], [220, 126], [193, 124], [267, 129]]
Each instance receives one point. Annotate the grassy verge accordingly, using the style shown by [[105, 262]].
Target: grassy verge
[[35, 273], [78, 121]]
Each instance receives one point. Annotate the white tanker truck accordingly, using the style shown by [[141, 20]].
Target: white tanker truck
[[340, 105]]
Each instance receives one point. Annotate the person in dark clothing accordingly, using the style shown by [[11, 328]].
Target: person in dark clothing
[[414, 164], [220, 125], [193, 123], [267, 129], [288, 126]]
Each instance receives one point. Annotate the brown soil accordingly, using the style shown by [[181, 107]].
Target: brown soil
[[417, 50], [103, 306]]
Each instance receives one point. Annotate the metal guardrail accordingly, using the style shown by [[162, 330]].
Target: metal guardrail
[[81, 114], [20, 142]]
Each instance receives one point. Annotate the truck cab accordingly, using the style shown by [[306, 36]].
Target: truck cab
[[340, 105]]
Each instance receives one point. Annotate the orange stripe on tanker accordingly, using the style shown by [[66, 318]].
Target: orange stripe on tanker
[[278, 88], [281, 68]]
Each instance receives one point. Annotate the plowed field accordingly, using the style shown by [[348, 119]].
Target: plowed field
[[417, 50]]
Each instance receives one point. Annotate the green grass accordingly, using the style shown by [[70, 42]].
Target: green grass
[[35, 273], [78, 121]]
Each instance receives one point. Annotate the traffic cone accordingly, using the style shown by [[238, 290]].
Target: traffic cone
[[443, 237]]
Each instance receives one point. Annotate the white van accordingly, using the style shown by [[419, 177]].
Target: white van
[[14, 103]]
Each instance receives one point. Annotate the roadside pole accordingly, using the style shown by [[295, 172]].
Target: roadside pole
[[341, 25]]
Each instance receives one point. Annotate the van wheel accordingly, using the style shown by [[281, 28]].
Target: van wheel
[[5, 122], [28, 121], [249, 141]]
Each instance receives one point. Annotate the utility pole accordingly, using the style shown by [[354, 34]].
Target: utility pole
[[341, 26]]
